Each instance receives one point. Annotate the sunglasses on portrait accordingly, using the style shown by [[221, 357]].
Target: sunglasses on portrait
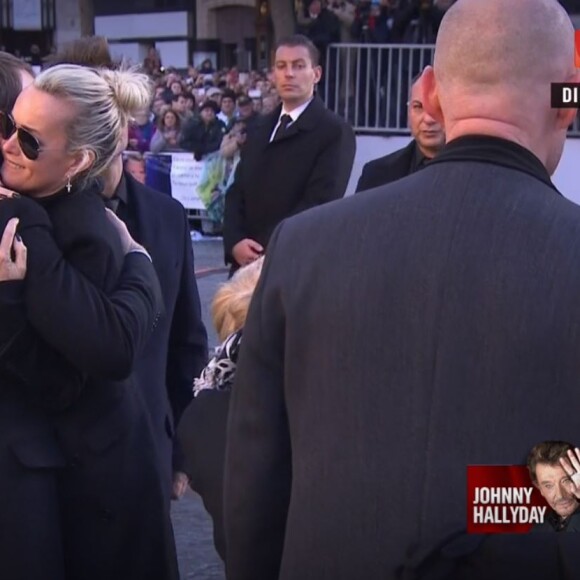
[[27, 141]]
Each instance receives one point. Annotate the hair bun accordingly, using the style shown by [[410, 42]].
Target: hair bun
[[132, 90]]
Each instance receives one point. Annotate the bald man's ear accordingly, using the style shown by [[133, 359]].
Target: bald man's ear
[[565, 117], [428, 95]]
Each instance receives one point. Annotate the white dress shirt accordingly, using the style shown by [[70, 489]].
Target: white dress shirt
[[294, 114]]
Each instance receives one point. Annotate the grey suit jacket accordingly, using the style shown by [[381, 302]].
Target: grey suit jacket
[[431, 324]]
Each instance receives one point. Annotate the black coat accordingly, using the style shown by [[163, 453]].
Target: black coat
[[431, 325], [202, 432], [552, 523], [202, 139], [322, 31], [310, 165], [177, 350], [89, 515], [388, 168]]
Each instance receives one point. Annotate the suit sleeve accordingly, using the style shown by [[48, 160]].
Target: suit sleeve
[[332, 170], [234, 213], [12, 313], [187, 351], [40, 374], [258, 472], [364, 180], [99, 334]]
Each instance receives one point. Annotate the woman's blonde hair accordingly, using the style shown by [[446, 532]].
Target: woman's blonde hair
[[104, 101], [232, 300]]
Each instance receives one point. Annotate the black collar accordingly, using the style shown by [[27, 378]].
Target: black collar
[[418, 160], [121, 190], [497, 151], [94, 186], [557, 523]]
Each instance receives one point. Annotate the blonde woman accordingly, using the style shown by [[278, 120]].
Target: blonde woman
[[202, 430], [101, 505]]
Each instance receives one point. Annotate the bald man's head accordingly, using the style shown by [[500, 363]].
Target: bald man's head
[[511, 44], [494, 62]]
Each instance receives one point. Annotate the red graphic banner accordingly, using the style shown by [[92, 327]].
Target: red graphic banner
[[502, 500]]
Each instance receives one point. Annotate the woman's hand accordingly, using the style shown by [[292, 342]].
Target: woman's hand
[[12, 254]]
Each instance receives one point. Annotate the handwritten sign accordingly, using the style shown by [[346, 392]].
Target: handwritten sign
[[185, 176]]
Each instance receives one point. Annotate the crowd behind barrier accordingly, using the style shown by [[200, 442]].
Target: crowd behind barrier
[[188, 143]]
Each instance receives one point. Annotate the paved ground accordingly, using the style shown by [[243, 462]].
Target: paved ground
[[193, 529]]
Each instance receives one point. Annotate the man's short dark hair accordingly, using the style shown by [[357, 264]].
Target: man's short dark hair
[[89, 51], [301, 40], [10, 79], [548, 452], [176, 98], [229, 94]]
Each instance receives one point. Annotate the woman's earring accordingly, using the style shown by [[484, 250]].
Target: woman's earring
[[68, 184]]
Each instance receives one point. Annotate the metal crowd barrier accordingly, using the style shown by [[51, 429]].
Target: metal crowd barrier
[[369, 84]]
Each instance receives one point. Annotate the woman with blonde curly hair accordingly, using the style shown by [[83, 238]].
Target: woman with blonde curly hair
[[202, 430]]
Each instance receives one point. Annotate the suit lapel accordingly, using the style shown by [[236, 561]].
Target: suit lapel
[[265, 128], [306, 122], [141, 224]]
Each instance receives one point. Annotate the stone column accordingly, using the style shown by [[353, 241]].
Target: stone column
[[68, 22]]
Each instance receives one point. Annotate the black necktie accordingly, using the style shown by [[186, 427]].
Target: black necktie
[[285, 120]]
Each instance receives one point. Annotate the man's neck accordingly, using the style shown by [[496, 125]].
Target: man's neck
[[496, 128], [112, 177], [290, 106]]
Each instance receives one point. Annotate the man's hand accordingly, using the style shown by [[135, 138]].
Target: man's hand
[[12, 254], [246, 251], [127, 242], [571, 466], [180, 481]]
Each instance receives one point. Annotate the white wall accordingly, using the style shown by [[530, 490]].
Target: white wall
[[153, 25], [566, 178], [174, 53], [131, 52]]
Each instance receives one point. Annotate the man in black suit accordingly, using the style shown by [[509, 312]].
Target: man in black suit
[[299, 157], [431, 324], [428, 140], [177, 350]]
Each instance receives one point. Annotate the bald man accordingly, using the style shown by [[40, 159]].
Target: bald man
[[431, 324], [428, 139]]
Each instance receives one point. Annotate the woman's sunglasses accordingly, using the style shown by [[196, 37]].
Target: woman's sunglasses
[[28, 143]]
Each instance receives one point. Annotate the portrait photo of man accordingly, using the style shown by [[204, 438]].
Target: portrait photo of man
[[554, 468]]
